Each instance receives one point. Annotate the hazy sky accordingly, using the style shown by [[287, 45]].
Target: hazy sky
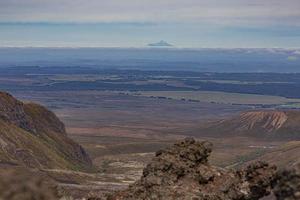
[[134, 23]]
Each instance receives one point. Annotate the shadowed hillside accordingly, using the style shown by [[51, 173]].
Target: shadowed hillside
[[33, 136]]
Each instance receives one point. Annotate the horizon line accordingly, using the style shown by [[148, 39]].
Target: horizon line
[[142, 47]]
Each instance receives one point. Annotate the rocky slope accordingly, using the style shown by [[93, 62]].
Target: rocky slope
[[287, 184], [180, 172], [33, 136], [183, 172], [276, 124], [21, 184]]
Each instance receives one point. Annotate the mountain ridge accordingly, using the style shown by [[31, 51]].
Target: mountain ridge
[[161, 43], [33, 136]]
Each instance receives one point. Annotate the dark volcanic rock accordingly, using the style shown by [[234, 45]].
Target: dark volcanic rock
[[287, 184], [183, 172]]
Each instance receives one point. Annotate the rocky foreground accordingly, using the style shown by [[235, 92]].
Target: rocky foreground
[[180, 172], [183, 172], [287, 184]]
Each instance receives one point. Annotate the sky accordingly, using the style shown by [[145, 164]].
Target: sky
[[135, 23]]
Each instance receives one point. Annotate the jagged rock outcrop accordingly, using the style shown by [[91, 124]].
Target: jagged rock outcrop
[[287, 184], [33, 136], [183, 172]]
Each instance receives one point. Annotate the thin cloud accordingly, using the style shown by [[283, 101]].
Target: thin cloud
[[186, 23], [156, 11]]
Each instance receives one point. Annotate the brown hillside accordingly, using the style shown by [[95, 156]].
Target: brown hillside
[[33, 136], [270, 121], [281, 124], [283, 156]]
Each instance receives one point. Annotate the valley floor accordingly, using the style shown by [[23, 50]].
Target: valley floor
[[122, 132]]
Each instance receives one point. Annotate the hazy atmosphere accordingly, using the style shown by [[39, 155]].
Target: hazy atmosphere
[[131, 23], [149, 99]]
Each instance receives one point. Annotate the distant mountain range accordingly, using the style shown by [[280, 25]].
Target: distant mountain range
[[161, 43]]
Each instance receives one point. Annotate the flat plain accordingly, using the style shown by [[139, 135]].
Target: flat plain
[[123, 117], [221, 97]]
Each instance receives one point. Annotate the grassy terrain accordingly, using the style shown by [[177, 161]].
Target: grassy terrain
[[286, 155], [121, 133], [219, 97], [86, 78], [111, 125], [113, 114], [39, 153]]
